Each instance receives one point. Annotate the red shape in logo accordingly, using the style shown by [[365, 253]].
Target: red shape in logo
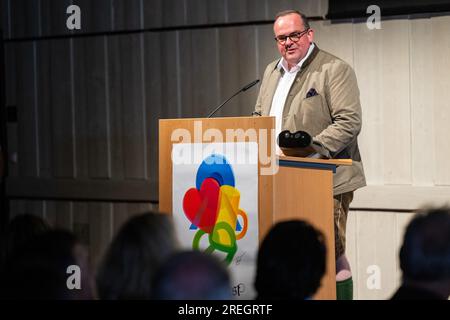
[[202, 207]]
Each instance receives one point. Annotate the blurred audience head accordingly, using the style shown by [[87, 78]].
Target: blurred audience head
[[192, 275], [425, 253], [20, 232], [138, 249], [44, 269], [291, 261]]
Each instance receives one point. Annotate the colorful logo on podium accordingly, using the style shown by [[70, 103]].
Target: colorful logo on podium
[[212, 207]]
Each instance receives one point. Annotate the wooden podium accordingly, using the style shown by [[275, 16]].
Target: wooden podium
[[302, 188]]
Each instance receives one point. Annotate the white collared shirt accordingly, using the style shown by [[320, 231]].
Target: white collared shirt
[[283, 87]]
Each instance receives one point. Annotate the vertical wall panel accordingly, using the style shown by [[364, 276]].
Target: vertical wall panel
[[376, 234], [92, 223], [367, 62], [13, 145], [24, 18], [359, 259], [133, 107], [59, 214], [322, 8], [35, 207], [10, 96], [311, 8], [81, 227], [258, 10], [186, 78], [120, 214], [374, 239], [97, 108], [441, 65], [236, 10], [5, 18], [96, 16], [204, 72], [248, 69], [154, 109], [248, 10], [351, 249], [197, 12], [153, 14], [228, 75], [174, 12], [117, 106], [238, 58], [26, 110], [80, 106], [330, 38], [44, 100], [54, 17], [10, 74], [280, 5], [100, 230], [386, 253], [172, 82], [61, 109], [422, 84], [16, 207], [126, 14], [396, 102], [266, 48], [128, 145], [216, 11]]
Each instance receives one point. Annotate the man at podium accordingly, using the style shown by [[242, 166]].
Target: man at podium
[[310, 90]]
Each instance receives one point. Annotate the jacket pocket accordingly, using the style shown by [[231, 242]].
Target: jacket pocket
[[313, 115]]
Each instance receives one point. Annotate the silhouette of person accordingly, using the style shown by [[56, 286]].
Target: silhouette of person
[[291, 261], [425, 257], [192, 275], [141, 245]]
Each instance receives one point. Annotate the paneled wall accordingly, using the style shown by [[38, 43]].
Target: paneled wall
[[402, 76], [373, 242], [32, 18], [88, 107]]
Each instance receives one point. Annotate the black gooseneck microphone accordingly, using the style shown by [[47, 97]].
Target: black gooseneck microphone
[[241, 90]]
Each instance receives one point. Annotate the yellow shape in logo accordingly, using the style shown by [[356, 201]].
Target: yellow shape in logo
[[228, 213]]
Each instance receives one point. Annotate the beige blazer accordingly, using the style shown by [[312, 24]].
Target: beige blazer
[[330, 113]]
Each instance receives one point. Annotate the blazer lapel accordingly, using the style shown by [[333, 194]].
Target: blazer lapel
[[298, 82], [271, 87]]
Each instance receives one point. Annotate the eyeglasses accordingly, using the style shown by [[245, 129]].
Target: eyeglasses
[[294, 36]]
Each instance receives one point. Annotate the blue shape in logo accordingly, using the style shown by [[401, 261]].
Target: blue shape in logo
[[215, 166]]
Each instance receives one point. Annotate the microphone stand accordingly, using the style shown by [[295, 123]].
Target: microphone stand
[[217, 109], [223, 103]]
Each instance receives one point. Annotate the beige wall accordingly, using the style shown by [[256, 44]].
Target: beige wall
[[403, 77]]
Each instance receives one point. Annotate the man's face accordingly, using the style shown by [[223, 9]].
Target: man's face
[[292, 51]]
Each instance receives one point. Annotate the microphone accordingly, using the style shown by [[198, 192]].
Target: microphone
[[248, 86]]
